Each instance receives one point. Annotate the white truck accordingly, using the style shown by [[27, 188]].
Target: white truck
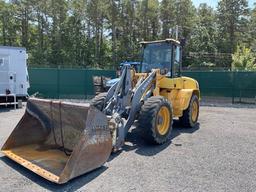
[[14, 80]]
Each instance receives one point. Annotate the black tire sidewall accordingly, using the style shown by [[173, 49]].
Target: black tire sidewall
[[99, 101], [194, 98], [148, 120]]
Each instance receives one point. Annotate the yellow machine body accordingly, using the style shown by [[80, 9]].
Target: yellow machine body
[[177, 90]]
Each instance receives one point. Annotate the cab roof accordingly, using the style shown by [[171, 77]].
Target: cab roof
[[161, 41]]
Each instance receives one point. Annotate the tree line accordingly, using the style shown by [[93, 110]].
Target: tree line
[[103, 33]]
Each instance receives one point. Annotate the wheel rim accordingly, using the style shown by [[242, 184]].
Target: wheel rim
[[194, 111], [163, 120]]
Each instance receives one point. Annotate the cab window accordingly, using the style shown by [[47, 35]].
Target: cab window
[[177, 60]]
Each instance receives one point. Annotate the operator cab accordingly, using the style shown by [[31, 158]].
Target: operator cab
[[164, 55]]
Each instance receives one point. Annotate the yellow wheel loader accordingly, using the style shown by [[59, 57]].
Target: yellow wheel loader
[[61, 140]]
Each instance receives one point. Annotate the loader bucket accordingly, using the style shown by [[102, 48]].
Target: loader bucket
[[60, 141]]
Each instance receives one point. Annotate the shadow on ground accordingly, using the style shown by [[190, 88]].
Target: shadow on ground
[[72, 185], [134, 142]]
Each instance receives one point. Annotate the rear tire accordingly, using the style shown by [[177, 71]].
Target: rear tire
[[99, 101], [155, 120], [190, 115]]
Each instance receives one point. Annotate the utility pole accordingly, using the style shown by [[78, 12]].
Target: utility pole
[[177, 32]]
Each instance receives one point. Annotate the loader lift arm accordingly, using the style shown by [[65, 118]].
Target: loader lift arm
[[123, 102]]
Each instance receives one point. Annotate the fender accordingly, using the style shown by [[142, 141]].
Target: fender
[[179, 92]]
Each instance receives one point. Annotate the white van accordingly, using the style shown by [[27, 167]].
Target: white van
[[13, 71]]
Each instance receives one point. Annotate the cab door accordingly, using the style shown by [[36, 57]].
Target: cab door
[[176, 67]]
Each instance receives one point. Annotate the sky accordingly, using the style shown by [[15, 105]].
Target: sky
[[214, 3]]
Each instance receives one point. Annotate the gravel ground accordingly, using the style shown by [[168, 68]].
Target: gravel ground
[[218, 155]]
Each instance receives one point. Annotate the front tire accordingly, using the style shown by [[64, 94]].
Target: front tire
[[99, 101], [155, 120]]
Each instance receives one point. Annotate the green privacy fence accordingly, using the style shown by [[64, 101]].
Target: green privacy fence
[[64, 83], [226, 83], [78, 83]]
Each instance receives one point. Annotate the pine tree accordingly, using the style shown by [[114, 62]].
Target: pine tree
[[204, 35], [231, 19], [167, 15]]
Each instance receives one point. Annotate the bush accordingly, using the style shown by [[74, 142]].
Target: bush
[[243, 59]]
